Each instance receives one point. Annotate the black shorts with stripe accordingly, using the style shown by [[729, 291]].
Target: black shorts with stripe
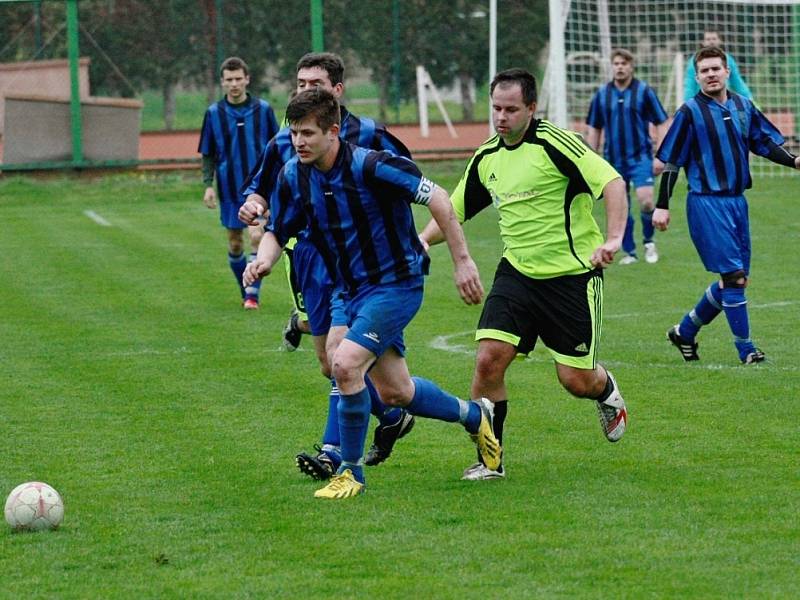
[[565, 312]]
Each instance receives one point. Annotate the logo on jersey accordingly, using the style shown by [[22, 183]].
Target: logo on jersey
[[492, 178], [372, 336], [424, 192]]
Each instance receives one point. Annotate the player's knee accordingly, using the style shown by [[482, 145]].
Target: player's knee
[[488, 368], [734, 279]]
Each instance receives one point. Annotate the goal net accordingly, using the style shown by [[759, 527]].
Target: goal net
[[763, 36]]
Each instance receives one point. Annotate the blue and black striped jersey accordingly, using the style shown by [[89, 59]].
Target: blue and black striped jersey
[[235, 135], [358, 214], [624, 115], [712, 142], [360, 131]]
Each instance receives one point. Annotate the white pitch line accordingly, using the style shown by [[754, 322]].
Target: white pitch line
[[96, 218]]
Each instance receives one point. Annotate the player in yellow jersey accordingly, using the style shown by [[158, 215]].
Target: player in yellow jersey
[[543, 181]]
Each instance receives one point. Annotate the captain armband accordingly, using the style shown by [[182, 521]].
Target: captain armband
[[424, 192], [669, 178], [780, 155]]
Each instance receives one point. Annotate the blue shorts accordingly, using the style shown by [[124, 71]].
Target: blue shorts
[[720, 230], [640, 174], [315, 285], [378, 314], [229, 214]]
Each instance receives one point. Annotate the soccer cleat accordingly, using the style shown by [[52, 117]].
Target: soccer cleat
[[613, 413], [250, 303], [319, 466], [629, 259], [650, 252], [479, 472], [688, 349], [342, 485], [488, 447], [756, 356], [291, 333], [385, 438]]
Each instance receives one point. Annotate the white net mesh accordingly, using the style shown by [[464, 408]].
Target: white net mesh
[[763, 36]]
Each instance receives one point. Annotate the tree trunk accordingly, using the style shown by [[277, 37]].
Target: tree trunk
[[467, 105], [169, 106]]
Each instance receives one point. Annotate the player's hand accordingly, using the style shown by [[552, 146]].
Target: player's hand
[[468, 281], [797, 163], [251, 211], [604, 254], [658, 167], [210, 198], [661, 219], [254, 271]]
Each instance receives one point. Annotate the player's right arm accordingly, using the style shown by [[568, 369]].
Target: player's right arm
[[673, 153], [210, 195], [594, 122], [260, 184]]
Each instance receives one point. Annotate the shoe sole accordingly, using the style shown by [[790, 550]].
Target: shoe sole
[[310, 466], [378, 456], [490, 450]]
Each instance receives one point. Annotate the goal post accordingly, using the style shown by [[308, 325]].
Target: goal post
[[762, 35]]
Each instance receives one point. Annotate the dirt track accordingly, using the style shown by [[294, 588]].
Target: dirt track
[[439, 144]]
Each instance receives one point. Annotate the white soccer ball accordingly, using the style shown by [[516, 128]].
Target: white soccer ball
[[34, 506]]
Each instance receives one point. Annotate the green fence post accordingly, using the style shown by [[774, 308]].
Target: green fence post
[[75, 91], [317, 43]]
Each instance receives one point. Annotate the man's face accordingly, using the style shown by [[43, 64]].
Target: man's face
[[712, 75], [234, 84], [711, 38], [623, 69], [309, 140], [317, 77], [510, 115]]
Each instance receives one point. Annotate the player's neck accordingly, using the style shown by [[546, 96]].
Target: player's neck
[[326, 161], [236, 100], [623, 84], [720, 97]]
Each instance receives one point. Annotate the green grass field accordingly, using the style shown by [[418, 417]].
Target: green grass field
[[168, 418]]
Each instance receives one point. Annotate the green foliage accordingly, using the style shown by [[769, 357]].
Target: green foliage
[[132, 381]]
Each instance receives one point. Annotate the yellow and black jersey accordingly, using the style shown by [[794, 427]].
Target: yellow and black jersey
[[543, 189]]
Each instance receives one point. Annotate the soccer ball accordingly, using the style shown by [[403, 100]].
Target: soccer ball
[[34, 506]]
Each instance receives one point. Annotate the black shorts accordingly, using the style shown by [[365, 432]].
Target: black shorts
[[566, 312]]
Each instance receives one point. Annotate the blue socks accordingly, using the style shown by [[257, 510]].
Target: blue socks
[[331, 434], [706, 309], [647, 226], [353, 425], [252, 290], [434, 403], [734, 304], [238, 264]]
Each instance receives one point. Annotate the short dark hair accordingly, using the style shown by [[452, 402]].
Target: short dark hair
[[522, 77], [626, 54], [711, 52], [234, 63], [329, 62], [316, 102]]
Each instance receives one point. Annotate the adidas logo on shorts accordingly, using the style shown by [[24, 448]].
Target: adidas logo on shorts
[[582, 347]]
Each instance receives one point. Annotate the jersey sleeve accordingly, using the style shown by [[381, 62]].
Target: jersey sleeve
[[470, 196], [263, 177], [761, 133], [206, 147], [386, 141], [595, 116], [287, 218], [654, 111], [393, 177], [596, 171], [674, 148], [272, 122]]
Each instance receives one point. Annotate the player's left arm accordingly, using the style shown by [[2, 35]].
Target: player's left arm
[[616, 201], [765, 140]]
